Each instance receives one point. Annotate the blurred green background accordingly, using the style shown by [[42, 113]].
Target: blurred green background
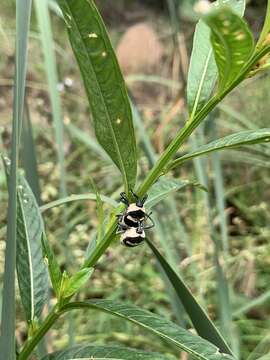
[[153, 40]]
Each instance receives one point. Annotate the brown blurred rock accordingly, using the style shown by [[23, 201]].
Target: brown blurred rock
[[139, 50]]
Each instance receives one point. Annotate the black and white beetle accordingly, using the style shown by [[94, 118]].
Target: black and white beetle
[[131, 224], [132, 237]]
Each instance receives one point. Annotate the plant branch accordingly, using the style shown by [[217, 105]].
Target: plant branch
[[42, 330]]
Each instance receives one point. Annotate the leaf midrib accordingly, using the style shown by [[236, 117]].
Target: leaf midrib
[[196, 102], [104, 103]]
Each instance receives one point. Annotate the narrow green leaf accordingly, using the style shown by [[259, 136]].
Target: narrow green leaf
[[75, 282], [53, 266], [242, 138], [28, 155], [104, 85], [46, 37], [7, 330], [97, 352], [260, 300], [202, 323], [183, 339], [80, 197], [202, 73], [262, 350], [232, 42], [86, 139], [31, 269], [100, 211], [163, 188], [265, 30]]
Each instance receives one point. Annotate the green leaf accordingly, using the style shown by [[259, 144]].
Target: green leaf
[[202, 323], [46, 38], [53, 266], [242, 138], [163, 188], [202, 73], [265, 30], [232, 42], [79, 197], [183, 339], [31, 269], [28, 155], [104, 85], [100, 211], [103, 352], [72, 284], [7, 328]]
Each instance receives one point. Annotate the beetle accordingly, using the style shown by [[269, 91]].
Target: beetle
[[131, 224], [135, 214], [132, 237]]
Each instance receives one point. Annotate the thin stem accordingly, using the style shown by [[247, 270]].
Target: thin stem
[[46, 325]]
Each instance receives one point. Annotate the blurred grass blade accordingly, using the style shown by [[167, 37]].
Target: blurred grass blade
[[220, 201], [87, 140], [232, 42], [242, 138], [80, 197], [260, 300], [164, 187], [265, 30], [221, 283], [104, 85], [31, 269], [7, 340], [183, 339], [202, 69], [99, 352], [262, 350], [43, 17], [222, 247], [202, 323], [28, 155], [100, 211]]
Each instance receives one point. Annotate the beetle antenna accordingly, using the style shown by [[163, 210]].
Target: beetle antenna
[[135, 195], [144, 199], [123, 198]]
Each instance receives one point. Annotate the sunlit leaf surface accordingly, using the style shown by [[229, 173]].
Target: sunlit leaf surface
[[232, 42], [104, 84]]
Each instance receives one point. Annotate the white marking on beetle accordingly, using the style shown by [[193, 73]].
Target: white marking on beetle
[[104, 54], [118, 121]]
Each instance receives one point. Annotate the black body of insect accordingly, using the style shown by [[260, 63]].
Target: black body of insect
[[132, 223]]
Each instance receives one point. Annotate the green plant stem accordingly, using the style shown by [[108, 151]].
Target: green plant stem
[[33, 341], [148, 182], [190, 126]]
